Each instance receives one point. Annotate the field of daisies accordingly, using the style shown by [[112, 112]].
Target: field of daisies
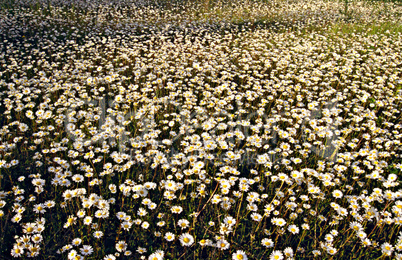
[[168, 129]]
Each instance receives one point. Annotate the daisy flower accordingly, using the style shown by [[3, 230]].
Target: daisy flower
[[276, 255], [121, 246], [109, 257], [158, 255], [267, 242], [239, 255], [86, 250], [288, 252], [17, 251], [230, 221], [293, 229], [222, 244], [169, 236], [183, 223], [145, 225], [256, 217], [186, 239], [98, 234]]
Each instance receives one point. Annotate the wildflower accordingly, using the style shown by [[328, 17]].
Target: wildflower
[[87, 220], [205, 242], [98, 234], [288, 252], [356, 226], [183, 223], [141, 250], [156, 256], [329, 238], [126, 225], [72, 254], [230, 221], [17, 218], [86, 250], [334, 232], [331, 250], [361, 234], [256, 217], [278, 221], [337, 194], [222, 244], [176, 209], [142, 212], [366, 242], [239, 255], [268, 243], [39, 208], [316, 253], [276, 255], [169, 236], [17, 251], [76, 241], [29, 228], [121, 246], [49, 204], [33, 250], [387, 249], [121, 215], [109, 257], [145, 225], [186, 239], [293, 229]]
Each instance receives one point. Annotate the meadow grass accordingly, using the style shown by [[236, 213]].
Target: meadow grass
[[200, 129]]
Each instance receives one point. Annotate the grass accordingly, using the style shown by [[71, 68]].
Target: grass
[[370, 29]]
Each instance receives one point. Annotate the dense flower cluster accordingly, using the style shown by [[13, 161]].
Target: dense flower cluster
[[148, 131]]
